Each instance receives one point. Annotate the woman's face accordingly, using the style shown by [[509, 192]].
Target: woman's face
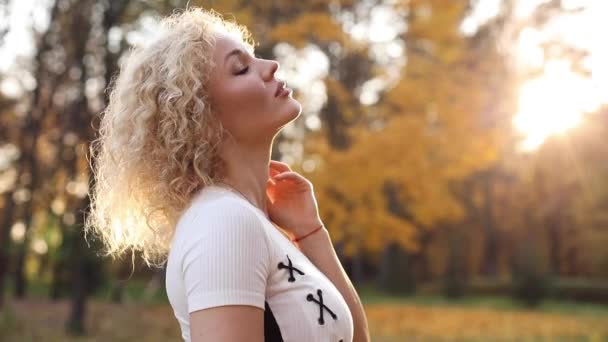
[[242, 89]]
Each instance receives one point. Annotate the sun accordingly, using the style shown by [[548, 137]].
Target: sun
[[552, 103]]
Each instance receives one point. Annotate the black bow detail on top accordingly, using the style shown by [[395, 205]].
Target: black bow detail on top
[[291, 269], [322, 306]]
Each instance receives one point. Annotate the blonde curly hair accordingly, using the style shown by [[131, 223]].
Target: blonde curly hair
[[159, 140]]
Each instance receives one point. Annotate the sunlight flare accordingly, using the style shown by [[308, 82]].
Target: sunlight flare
[[553, 103]]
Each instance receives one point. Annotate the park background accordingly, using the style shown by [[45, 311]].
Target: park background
[[458, 151]]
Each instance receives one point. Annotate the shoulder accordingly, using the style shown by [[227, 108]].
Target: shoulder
[[225, 208], [220, 217]]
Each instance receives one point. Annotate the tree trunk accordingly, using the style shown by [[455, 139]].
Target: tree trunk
[[5, 228], [455, 276], [396, 272], [28, 165], [75, 324], [77, 119], [358, 272], [421, 259], [20, 286], [489, 266], [553, 228], [57, 282]]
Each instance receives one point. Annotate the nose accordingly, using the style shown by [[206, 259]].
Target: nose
[[274, 66]]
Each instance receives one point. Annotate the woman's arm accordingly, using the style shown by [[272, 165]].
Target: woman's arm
[[217, 324], [319, 249]]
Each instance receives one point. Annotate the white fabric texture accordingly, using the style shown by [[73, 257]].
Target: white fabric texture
[[226, 252]]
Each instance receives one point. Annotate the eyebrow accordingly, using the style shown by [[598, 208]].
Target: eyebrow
[[233, 53]]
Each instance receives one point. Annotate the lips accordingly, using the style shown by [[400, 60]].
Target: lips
[[280, 87]]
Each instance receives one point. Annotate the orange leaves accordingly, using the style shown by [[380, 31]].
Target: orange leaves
[[300, 31]]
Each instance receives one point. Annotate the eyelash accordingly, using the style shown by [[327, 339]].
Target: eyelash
[[244, 71]]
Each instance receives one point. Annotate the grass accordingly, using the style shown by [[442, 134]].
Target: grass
[[419, 320], [370, 295], [391, 318]]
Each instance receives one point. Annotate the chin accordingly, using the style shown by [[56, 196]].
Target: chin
[[297, 107], [287, 118]]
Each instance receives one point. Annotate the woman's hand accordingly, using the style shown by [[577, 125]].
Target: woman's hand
[[291, 201]]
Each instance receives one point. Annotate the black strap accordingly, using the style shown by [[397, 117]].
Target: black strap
[[272, 333]]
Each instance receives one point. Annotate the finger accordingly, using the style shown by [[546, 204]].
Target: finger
[[288, 175], [271, 181], [271, 193], [280, 166], [273, 172], [277, 168]]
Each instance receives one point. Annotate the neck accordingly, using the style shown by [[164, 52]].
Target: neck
[[247, 171]]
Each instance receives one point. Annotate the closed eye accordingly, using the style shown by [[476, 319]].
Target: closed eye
[[244, 71]]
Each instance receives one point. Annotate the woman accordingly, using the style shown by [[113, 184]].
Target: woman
[[184, 176]]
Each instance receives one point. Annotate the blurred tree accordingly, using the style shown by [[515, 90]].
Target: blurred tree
[[7, 139], [554, 180], [455, 277], [52, 146], [29, 181], [434, 127], [531, 281], [586, 151], [565, 182]]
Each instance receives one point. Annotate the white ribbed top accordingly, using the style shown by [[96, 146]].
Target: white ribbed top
[[226, 252]]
